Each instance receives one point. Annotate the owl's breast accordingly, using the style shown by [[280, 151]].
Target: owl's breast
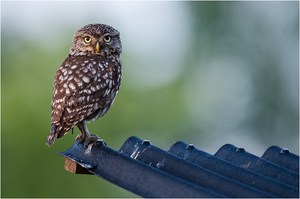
[[105, 80]]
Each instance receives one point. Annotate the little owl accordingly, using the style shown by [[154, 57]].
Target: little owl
[[87, 82]]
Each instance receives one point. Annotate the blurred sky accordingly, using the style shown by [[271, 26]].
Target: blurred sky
[[207, 73]]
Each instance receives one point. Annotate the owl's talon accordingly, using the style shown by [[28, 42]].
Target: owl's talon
[[102, 142]]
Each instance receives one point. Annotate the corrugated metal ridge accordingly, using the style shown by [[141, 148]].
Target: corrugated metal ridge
[[185, 171]]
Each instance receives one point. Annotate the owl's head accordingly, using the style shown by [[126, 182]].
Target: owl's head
[[96, 39]]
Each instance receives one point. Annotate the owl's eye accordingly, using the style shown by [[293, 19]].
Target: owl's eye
[[87, 39], [107, 38]]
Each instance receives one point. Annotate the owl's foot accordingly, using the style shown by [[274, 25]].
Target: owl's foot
[[88, 139]]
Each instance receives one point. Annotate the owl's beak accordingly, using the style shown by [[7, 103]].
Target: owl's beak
[[97, 48]]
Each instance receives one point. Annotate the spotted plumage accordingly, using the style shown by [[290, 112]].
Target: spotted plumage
[[87, 82]]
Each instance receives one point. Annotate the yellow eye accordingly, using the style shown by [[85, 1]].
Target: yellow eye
[[107, 38], [87, 39]]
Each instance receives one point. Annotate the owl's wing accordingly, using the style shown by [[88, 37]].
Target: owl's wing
[[58, 103], [59, 92]]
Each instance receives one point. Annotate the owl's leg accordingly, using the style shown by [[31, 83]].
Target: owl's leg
[[86, 137]]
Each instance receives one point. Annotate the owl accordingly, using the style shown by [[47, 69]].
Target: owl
[[87, 82]]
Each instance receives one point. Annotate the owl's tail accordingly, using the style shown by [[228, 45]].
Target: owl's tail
[[52, 135]]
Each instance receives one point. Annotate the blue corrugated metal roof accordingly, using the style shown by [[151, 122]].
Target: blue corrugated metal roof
[[185, 171]]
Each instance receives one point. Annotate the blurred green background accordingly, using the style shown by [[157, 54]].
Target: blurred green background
[[207, 73]]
